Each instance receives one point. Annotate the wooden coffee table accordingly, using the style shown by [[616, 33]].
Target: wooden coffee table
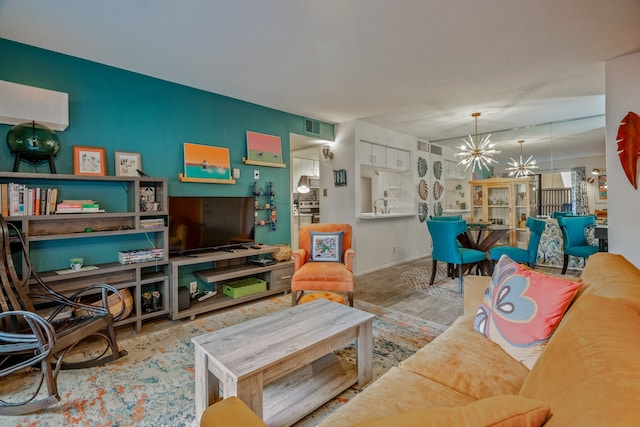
[[281, 365]]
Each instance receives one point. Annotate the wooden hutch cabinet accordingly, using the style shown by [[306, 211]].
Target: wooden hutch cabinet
[[505, 201]]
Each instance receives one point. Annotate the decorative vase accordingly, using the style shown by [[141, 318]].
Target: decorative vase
[[33, 142]]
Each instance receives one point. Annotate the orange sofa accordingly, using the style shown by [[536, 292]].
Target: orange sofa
[[587, 375]]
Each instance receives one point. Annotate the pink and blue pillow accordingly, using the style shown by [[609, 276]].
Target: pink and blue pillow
[[522, 307], [326, 247]]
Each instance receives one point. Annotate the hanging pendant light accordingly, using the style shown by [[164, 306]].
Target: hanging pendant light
[[477, 153], [522, 168]]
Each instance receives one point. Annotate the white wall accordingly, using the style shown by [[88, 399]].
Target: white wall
[[378, 243], [623, 96]]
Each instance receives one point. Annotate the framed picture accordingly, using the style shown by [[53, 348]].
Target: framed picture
[[89, 161], [602, 187], [128, 164], [205, 161], [264, 150]]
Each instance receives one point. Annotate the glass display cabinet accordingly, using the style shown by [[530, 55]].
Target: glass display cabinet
[[505, 201]]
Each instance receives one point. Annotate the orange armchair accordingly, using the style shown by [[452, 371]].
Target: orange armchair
[[313, 275]]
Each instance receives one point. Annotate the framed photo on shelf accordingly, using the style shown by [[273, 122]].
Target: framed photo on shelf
[[128, 164], [205, 161], [89, 161], [264, 150]]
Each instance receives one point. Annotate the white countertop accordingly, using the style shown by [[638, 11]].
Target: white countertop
[[369, 216], [456, 211]]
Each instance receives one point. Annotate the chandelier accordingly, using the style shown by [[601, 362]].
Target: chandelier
[[477, 153], [522, 168]]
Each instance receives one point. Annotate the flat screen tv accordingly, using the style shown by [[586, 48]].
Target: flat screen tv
[[201, 224]]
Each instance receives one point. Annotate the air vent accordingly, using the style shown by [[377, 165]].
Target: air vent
[[435, 149], [311, 126], [423, 146]]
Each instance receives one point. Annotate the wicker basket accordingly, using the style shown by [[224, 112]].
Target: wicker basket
[[282, 254]]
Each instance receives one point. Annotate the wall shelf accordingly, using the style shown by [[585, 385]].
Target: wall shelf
[[257, 163], [206, 180]]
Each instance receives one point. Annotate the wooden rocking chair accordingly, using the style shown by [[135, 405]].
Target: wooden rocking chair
[[28, 338]]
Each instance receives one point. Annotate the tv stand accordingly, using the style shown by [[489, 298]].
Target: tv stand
[[218, 267]]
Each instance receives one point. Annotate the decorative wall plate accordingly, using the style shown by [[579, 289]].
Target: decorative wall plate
[[423, 189], [437, 169], [438, 189], [423, 211], [423, 167], [628, 139], [437, 209]]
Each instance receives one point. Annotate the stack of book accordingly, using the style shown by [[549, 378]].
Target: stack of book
[[18, 200], [151, 223], [78, 206], [140, 255]]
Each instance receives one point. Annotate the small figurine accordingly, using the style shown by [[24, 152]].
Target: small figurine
[[523, 221]]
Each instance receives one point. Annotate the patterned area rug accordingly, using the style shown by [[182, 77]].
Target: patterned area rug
[[154, 384], [443, 286]]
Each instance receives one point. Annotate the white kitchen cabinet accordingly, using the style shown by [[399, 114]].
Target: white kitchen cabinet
[[454, 170], [372, 154], [397, 159]]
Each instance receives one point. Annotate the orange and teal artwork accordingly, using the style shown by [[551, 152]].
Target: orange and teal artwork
[[205, 161], [264, 148]]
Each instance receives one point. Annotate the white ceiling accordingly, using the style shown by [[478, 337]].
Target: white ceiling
[[417, 66]]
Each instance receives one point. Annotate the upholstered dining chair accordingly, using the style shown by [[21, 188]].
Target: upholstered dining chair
[[445, 248], [523, 256], [323, 261], [574, 237], [450, 267]]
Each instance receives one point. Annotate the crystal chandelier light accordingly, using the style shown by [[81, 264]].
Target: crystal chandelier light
[[522, 168], [477, 153]]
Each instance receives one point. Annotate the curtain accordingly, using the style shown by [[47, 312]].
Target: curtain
[[579, 197]]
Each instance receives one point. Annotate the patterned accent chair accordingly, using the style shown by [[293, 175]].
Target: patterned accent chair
[[575, 239], [315, 275]]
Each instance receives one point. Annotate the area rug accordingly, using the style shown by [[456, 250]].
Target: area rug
[[443, 286], [154, 384]]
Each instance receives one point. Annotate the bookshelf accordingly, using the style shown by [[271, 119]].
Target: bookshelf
[[132, 214]]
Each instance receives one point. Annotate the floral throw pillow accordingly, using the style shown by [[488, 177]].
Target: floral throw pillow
[[522, 307], [326, 247]]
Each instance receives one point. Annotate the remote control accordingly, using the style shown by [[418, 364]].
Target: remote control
[[207, 294], [256, 246]]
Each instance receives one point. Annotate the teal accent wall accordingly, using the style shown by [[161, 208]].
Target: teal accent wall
[[125, 111]]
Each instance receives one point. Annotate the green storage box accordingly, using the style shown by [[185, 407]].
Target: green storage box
[[244, 287]]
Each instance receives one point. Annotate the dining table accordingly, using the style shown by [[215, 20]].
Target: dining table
[[482, 236]]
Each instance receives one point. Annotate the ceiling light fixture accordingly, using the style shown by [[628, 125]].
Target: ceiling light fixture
[[522, 168], [598, 171], [477, 153]]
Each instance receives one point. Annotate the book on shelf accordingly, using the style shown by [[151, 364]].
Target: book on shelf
[[140, 255], [78, 206], [19, 200], [151, 223]]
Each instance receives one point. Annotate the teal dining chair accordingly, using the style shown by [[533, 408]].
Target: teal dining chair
[[445, 248], [450, 267], [523, 256], [574, 236]]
